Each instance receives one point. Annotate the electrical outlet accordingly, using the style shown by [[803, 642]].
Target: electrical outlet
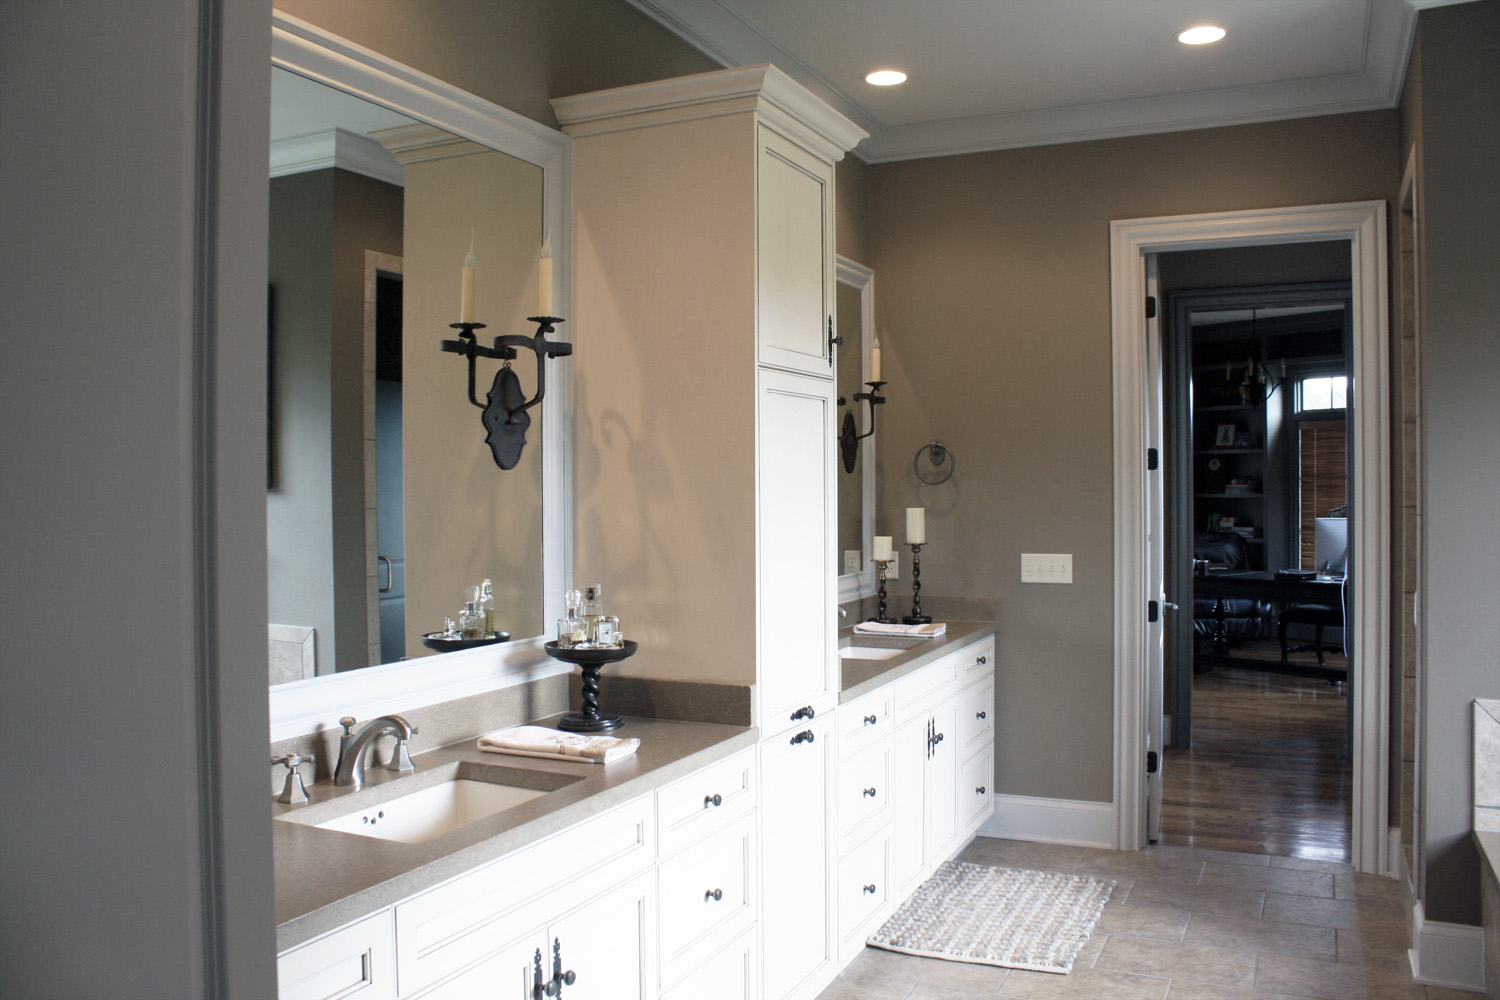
[[893, 568], [851, 561], [1044, 567]]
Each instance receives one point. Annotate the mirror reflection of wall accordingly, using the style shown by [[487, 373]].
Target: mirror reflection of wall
[[368, 237], [851, 484]]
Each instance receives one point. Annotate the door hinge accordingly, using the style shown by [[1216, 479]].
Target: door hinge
[[1153, 459], [1153, 611], [1151, 307], [1151, 762]]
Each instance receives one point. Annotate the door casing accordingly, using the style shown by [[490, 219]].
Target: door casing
[[1363, 226]]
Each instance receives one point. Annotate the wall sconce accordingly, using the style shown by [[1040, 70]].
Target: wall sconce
[[505, 417], [849, 436]]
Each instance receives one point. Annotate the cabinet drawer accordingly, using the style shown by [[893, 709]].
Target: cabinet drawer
[[976, 792], [469, 917], [732, 973], [707, 800], [357, 962], [920, 690], [864, 790], [976, 716], [863, 888], [865, 719], [706, 896], [977, 658]]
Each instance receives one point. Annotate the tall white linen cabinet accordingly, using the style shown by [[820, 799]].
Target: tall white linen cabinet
[[704, 475]]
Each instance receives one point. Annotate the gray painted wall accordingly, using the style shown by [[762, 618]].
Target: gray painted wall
[[1460, 372], [993, 298], [135, 842]]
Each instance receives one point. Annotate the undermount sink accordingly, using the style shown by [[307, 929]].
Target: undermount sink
[[870, 652], [469, 793]]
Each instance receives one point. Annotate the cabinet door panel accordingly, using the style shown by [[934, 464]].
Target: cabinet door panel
[[608, 944], [976, 791], [797, 663], [731, 974], [357, 962], [796, 798], [864, 790], [942, 783], [507, 975], [907, 798], [793, 256], [706, 895]]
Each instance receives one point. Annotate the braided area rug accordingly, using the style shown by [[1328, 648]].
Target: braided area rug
[[1009, 917]]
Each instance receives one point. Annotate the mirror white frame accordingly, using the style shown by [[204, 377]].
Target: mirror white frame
[[853, 586], [311, 705]]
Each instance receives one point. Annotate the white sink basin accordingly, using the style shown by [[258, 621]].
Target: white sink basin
[[869, 652], [432, 811]]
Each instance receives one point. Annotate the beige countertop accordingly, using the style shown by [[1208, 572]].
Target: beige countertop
[[863, 676], [325, 878]]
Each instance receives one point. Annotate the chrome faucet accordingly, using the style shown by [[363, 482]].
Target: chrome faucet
[[350, 771]]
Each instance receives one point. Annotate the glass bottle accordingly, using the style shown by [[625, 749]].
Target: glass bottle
[[572, 629], [593, 608], [487, 606], [471, 621]]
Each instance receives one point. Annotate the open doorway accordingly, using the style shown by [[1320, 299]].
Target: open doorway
[[1256, 465], [1138, 583]]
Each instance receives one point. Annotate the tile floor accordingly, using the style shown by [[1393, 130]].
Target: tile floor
[[1187, 924]]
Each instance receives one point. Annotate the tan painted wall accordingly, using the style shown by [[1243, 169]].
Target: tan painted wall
[[993, 299], [467, 519]]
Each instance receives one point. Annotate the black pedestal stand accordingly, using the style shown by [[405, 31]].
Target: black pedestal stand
[[880, 615], [590, 720], [916, 617]]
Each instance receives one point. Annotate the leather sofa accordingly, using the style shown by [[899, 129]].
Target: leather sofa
[[1244, 619]]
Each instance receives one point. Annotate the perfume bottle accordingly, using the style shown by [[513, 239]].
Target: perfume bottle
[[593, 608], [471, 621], [487, 606], [572, 629]]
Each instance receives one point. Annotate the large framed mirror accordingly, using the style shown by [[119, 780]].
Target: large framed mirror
[[856, 489], [383, 501]]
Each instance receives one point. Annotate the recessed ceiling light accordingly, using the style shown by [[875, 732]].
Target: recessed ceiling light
[[1201, 35], [886, 77]]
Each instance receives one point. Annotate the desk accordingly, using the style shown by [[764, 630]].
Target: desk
[[1264, 587]]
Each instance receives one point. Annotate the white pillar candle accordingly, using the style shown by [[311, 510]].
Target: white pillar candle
[[466, 293], [875, 362], [544, 292], [882, 548], [916, 525]]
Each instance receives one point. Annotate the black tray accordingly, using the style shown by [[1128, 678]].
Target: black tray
[[435, 640], [585, 656]]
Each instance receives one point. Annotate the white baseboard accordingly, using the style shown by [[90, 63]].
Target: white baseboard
[[1444, 954], [1052, 821]]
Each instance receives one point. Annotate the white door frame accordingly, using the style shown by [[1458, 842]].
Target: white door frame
[[1363, 224]]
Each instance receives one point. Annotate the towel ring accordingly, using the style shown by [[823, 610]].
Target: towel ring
[[939, 455]]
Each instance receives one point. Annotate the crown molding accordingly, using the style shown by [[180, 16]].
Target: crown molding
[[762, 89], [420, 142], [335, 147]]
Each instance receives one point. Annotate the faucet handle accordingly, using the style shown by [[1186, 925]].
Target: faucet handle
[[348, 722], [293, 792]]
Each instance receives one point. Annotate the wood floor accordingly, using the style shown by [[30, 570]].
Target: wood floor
[[1267, 772]]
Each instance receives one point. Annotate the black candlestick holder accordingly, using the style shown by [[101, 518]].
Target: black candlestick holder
[[916, 617], [880, 615], [590, 659]]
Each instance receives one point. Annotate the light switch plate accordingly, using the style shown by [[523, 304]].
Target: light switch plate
[[851, 561], [1046, 567]]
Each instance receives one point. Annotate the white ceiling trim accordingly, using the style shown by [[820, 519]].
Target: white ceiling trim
[[716, 30], [335, 147]]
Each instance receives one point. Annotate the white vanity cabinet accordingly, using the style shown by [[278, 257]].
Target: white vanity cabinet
[[797, 829], [794, 255], [942, 744], [866, 803]]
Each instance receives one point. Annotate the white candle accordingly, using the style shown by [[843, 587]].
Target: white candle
[[916, 525], [875, 362], [882, 548], [544, 292], [466, 296]]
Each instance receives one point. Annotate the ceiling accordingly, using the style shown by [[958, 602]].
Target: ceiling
[[1000, 74]]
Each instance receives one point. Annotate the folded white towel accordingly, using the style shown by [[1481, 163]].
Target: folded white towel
[[895, 628], [539, 741]]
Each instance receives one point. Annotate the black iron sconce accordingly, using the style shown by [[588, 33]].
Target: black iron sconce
[[849, 436], [505, 417]]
